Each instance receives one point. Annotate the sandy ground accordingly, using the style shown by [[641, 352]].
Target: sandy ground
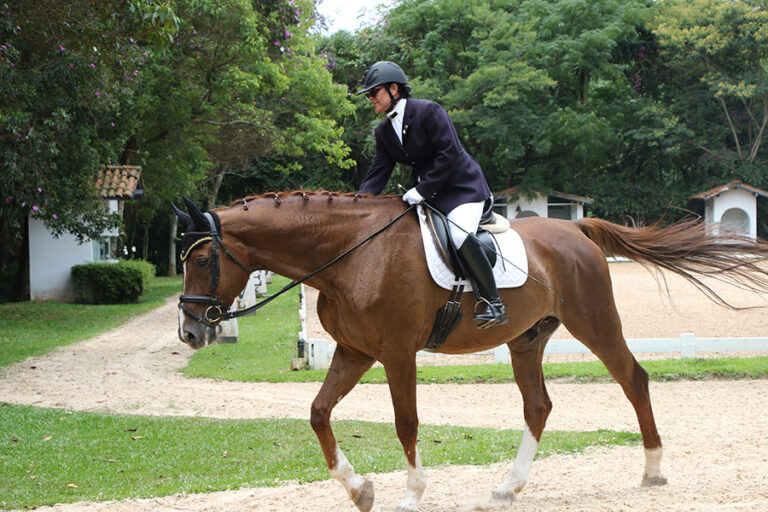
[[715, 433]]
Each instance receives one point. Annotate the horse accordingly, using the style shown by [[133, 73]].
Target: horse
[[378, 303]]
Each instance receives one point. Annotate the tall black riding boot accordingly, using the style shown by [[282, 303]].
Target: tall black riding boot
[[481, 273]]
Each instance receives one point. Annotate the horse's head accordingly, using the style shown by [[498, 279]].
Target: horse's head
[[213, 276]]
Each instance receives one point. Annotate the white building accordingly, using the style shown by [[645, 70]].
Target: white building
[[51, 258], [733, 207], [512, 204]]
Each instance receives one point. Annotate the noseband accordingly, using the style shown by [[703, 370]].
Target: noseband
[[216, 310]]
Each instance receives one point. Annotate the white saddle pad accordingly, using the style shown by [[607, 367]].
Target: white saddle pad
[[510, 271]]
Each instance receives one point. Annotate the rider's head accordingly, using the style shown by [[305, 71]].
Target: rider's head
[[384, 83]]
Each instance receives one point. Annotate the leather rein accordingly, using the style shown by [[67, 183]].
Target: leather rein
[[217, 311]]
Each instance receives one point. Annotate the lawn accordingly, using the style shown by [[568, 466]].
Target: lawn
[[50, 456]]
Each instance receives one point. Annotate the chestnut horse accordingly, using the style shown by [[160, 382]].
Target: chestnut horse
[[379, 303]]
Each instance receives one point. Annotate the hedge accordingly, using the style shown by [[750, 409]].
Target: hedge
[[111, 283]]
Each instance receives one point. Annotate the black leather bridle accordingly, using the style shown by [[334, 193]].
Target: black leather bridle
[[216, 309]]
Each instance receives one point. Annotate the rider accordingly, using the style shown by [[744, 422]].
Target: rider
[[420, 133]]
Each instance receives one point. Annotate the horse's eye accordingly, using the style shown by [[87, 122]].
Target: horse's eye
[[201, 262]]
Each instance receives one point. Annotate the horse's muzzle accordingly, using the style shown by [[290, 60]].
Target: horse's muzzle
[[196, 335]]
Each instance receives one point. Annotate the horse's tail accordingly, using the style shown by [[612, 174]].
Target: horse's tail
[[688, 248]]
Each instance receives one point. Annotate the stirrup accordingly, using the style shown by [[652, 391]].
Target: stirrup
[[494, 313]]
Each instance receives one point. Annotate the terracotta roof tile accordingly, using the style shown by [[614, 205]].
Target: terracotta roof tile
[[732, 185], [119, 181]]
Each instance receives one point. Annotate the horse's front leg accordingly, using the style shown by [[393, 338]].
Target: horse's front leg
[[346, 368], [402, 386]]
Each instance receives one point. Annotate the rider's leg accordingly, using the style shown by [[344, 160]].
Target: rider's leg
[[464, 220]]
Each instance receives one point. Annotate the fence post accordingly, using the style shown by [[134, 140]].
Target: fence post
[[687, 346]]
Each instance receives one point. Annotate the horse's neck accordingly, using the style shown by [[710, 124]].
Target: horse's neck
[[298, 236]]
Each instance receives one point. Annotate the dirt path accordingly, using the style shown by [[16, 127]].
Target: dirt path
[[715, 433]]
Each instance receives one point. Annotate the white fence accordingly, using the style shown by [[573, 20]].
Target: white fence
[[320, 351]]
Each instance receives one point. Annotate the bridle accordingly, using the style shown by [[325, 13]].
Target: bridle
[[217, 310]]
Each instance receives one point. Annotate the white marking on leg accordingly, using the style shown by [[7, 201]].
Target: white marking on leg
[[417, 482], [345, 474], [518, 475], [653, 463]]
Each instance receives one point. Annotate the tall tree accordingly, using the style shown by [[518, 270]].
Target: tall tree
[[723, 46]]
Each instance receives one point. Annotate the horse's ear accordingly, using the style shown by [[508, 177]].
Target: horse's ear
[[197, 215], [185, 219]]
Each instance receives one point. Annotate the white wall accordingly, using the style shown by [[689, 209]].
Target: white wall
[[736, 198], [537, 206], [50, 261]]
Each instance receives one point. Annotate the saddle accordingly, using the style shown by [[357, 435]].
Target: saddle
[[490, 224], [449, 316]]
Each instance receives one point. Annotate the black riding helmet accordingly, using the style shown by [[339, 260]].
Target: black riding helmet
[[384, 72]]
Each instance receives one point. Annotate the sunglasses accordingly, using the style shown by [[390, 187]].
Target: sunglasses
[[373, 92]]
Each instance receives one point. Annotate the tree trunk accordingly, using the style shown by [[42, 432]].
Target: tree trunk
[[172, 245], [218, 176], [20, 290]]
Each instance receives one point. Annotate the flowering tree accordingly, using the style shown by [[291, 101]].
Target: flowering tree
[[68, 104]]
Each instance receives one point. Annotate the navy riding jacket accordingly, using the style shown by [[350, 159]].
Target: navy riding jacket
[[446, 175]]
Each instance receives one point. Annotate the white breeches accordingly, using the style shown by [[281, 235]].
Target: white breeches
[[464, 219]]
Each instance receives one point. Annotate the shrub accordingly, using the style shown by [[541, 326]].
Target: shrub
[[146, 268], [107, 283]]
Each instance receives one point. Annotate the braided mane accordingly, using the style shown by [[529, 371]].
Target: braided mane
[[294, 193]]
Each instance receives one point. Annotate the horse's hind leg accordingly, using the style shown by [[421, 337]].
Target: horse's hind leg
[[345, 371], [527, 352], [599, 328]]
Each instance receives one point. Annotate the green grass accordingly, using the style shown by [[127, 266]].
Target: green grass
[[34, 328], [50, 456]]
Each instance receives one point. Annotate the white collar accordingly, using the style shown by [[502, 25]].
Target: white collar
[[398, 111]]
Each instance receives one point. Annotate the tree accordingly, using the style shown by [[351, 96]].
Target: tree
[[723, 46], [69, 103]]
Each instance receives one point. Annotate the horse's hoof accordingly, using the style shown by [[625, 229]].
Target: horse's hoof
[[653, 481], [364, 498], [503, 497]]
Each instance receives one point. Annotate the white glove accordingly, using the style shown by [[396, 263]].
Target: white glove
[[413, 197]]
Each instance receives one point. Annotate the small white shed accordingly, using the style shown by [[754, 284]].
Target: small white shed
[[733, 207], [512, 204], [51, 259]]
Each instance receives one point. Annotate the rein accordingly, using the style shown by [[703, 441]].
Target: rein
[[216, 305]]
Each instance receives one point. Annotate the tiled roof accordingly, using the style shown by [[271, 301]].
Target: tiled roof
[[119, 182], [729, 186], [560, 195]]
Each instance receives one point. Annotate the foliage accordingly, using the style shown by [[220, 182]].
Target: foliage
[[145, 268], [35, 328], [53, 456], [107, 283]]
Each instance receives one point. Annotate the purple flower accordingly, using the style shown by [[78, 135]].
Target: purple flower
[[60, 47], [96, 93], [288, 34], [135, 73], [113, 124], [55, 216], [39, 190], [71, 66], [8, 200], [277, 43], [35, 208], [92, 65]]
